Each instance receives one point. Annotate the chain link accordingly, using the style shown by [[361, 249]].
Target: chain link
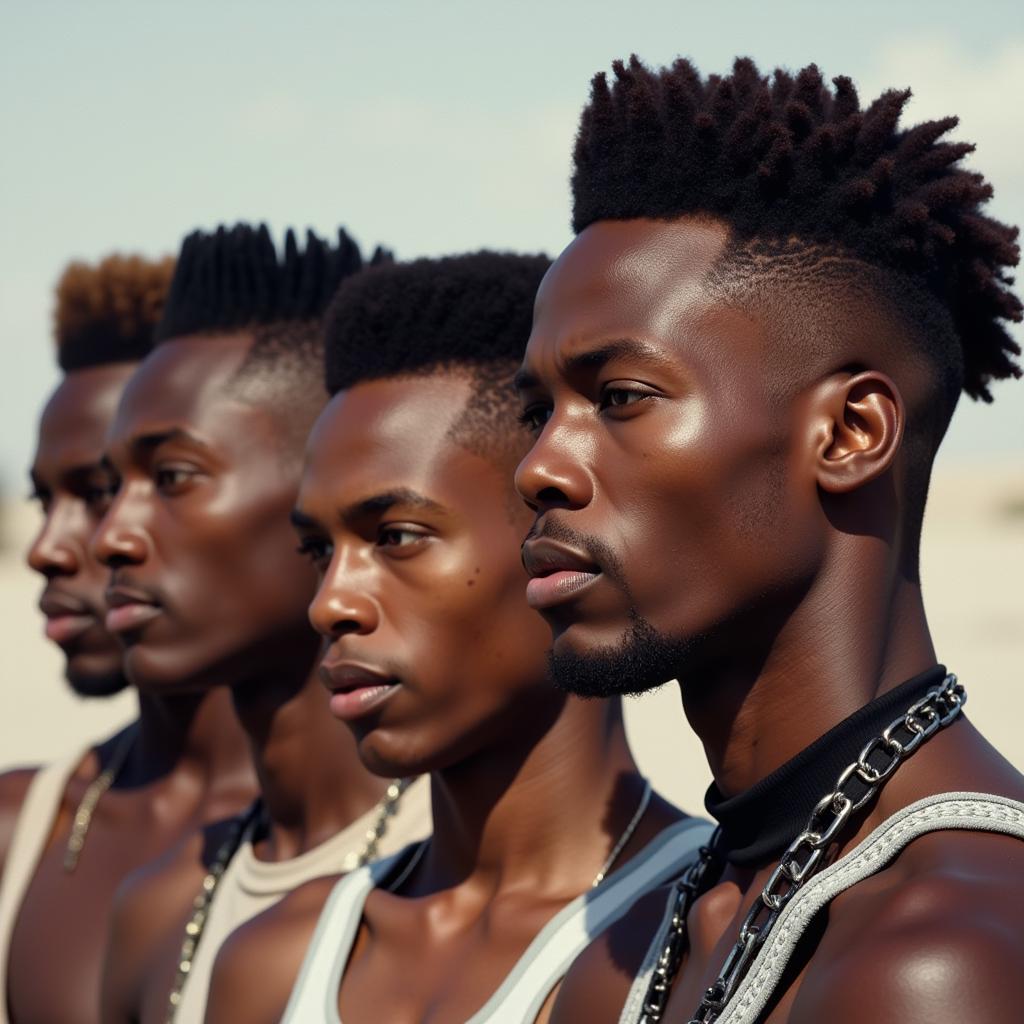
[[877, 761], [856, 785]]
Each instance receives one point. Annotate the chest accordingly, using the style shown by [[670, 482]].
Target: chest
[[428, 963], [68, 916]]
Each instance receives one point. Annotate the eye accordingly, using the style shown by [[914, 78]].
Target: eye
[[400, 540], [534, 416], [42, 496], [318, 550], [173, 479], [621, 396]]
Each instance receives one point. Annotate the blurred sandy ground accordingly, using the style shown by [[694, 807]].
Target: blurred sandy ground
[[973, 573]]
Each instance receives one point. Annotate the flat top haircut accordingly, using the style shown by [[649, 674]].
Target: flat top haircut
[[233, 279], [802, 171], [470, 312], [107, 312]]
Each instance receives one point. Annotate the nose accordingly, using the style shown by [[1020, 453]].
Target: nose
[[553, 473], [339, 609], [117, 540], [56, 551]]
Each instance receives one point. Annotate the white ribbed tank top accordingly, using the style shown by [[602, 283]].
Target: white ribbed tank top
[[524, 991]]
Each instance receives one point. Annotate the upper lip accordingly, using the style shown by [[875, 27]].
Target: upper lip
[[344, 676], [542, 557], [55, 603], [118, 595]]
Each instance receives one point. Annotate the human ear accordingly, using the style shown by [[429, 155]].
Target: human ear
[[860, 418]]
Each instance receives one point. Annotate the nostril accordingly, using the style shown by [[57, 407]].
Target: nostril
[[552, 496]]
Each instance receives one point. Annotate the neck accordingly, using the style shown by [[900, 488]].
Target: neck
[[192, 735], [312, 782], [841, 646], [542, 809]]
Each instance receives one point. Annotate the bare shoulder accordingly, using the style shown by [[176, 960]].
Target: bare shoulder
[[938, 934], [257, 965], [597, 985], [14, 786]]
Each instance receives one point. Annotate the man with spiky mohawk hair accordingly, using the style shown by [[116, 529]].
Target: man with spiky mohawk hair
[[437, 664], [71, 842], [738, 376], [207, 593]]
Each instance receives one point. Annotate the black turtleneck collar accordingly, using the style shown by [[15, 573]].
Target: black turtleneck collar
[[759, 824]]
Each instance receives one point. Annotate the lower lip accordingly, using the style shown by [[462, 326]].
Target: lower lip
[[63, 629], [127, 617], [546, 591], [353, 704]]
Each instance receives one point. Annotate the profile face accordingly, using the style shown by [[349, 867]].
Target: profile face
[[669, 512], [70, 483], [431, 652], [205, 585]]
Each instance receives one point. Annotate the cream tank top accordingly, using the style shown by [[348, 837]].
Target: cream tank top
[[979, 812], [521, 995], [32, 829], [249, 886]]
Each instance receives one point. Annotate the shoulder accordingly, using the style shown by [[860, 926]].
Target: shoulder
[[940, 939], [14, 786], [597, 984], [270, 948]]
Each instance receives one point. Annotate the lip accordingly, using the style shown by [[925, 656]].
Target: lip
[[356, 690], [557, 573], [129, 609], [67, 617]]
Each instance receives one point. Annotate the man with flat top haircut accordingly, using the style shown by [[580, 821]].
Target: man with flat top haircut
[[71, 831], [543, 826], [209, 593], [738, 376]]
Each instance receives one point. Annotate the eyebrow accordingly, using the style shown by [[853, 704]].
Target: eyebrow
[[375, 504], [592, 359], [147, 442]]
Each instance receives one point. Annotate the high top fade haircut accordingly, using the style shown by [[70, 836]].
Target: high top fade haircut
[[107, 312], [836, 203], [470, 313], [234, 279]]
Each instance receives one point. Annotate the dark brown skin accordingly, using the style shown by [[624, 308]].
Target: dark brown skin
[[713, 493], [417, 541], [199, 527], [189, 763]]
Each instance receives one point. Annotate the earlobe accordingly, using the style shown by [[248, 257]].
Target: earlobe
[[862, 417]]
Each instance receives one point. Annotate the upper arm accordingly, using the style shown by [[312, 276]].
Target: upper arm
[[13, 788], [952, 962], [597, 985], [257, 965]]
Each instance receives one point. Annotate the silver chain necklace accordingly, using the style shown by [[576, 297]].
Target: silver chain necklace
[[856, 785], [612, 857], [243, 830]]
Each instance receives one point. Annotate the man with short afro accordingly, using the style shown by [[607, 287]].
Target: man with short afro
[[73, 842], [438, 665], [738, 377]]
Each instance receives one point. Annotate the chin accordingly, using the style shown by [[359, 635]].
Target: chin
[[640, 660], [92, 677], [160, 672], [391, 756]]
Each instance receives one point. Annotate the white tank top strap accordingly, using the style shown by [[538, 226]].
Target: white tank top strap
[[974, 811], [545, 962], [315, 995], [633, 1009], [32, 829]]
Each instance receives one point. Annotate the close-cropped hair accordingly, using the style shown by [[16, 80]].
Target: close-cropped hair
[[800, 169], [107, 312], [470, 313]]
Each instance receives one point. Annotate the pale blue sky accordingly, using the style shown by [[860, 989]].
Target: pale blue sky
[[433, 126]]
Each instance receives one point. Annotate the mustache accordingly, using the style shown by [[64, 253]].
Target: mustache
[[595, 548]]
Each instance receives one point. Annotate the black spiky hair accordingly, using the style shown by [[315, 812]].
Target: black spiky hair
[[107, 312], [789, 157], [233, 278], [471, 310]]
